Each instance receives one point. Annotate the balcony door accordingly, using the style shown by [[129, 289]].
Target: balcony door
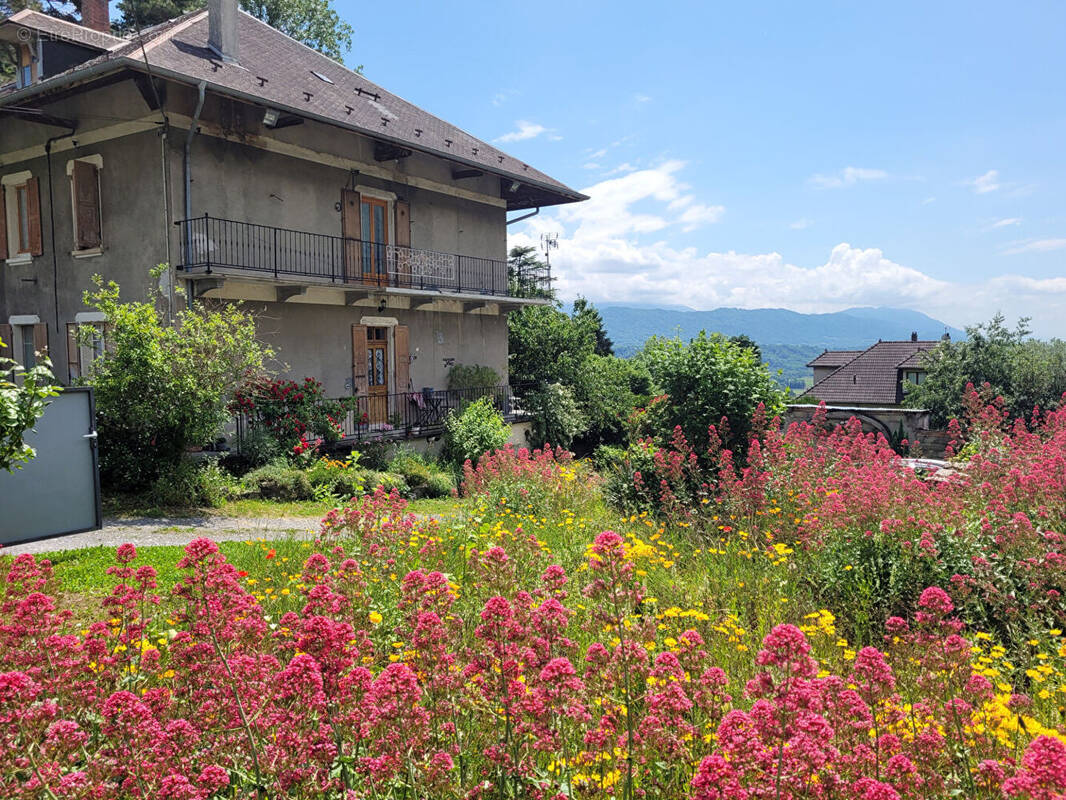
[[375, 238]]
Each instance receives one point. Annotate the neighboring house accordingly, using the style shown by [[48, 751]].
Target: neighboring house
[[871, 385], [874, 377], [368, 236]]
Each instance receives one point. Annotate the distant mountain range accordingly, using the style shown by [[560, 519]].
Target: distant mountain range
[[788, 339]]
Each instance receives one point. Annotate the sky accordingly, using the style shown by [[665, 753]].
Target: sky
[[811, 156]]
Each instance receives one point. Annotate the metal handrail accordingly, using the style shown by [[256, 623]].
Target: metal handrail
[[209, 243]]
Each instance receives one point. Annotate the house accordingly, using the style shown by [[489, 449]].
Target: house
[[871, 385], [367, 235], [874, 377]]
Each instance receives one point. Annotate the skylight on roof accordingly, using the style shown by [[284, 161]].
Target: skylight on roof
[[321, 77]]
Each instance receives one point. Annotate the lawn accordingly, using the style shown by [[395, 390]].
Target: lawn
[[136, 507], [822, 623]]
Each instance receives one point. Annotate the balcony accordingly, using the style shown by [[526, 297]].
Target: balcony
[[214, 246]]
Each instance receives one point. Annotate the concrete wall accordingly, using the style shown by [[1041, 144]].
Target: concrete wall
[[316, 340], [288, 178]]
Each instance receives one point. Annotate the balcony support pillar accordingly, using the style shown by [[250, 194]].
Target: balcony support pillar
[[202, 286], [354, 296]]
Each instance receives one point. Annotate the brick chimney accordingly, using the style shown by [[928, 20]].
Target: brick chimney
[[914, 336], [222, 28], [95, 15]]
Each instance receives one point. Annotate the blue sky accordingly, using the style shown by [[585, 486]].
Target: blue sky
[[811, 156]]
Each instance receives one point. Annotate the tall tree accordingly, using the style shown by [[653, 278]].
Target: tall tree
[[588, 315], [745, 341]]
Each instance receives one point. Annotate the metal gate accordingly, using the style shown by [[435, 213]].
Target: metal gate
[[57, 492]]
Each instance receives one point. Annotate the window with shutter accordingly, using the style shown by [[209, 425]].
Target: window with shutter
[[86, 189], [20, 216], [33, 213]]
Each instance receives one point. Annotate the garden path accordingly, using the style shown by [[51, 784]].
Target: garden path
[[149, 532]]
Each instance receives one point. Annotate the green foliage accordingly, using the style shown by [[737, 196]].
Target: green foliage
[[478, 429], [161, 388], [547, 346], [587, 316], [743, 340], [23, 397], [423, 476], [607, 391], [188, 484], [279, 481], [464, 376], [525, 271], [315, 23], [705, 380], [259, 446], [1025, 372], [557, 419]]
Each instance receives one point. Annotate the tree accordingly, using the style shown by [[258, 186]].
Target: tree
[[161, 389], [312, 22], [587, 314], [743, 340], [23, 397], [1025, 372], [546, 346], [707, 379], [526, 274], [8, 51]]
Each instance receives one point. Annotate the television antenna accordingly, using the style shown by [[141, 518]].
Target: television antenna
[[549, 242]]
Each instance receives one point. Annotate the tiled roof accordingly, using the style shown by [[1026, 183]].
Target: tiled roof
[[834, 358], [277, 71], [913, 361], [872, 377], [67, 31]]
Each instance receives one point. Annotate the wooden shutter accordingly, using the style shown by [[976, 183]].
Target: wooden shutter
[[402, 344], [33, 211], [40, 339], [87, 205], [4, 252], [7, 349], [403, 240], [359, 365], [73, 353], [351, 228]]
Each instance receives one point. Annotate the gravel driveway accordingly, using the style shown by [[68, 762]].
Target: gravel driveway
[[178, 530]]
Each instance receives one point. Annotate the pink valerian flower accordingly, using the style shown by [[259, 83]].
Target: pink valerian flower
[[1043, 772]]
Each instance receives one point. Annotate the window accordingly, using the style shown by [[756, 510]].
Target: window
[[85, 344], [916, 377], [29, 354], [20, 217], [85, 200]]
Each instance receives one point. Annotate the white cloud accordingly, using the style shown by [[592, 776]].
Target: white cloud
[[527, 130], [928, 200], [801, 224], [616, 247], [621, 169], [848, 176], [983, 184], [503, 96], [1005, 223], [642, 98], [1036, 246]]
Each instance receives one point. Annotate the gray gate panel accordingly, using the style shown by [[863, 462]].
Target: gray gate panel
[[58, 491]]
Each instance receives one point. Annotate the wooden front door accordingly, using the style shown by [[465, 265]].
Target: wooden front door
[[377, 374], [375, 238]]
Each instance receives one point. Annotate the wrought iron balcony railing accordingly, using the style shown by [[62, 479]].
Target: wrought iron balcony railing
[[209, 243]]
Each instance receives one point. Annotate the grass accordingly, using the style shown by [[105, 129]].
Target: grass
[[135, 507]]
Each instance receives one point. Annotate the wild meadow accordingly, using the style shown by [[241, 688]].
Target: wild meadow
[[808, 620]]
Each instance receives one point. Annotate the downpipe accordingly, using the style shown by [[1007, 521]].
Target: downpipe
[[187, 166]]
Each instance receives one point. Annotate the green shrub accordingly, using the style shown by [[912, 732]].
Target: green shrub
[[478, 429], [388, 481], [465, 376], [608, 391], [162, 388], [259, 447], [704, 380], [424, 477], [278, 481], [342, 478], [292, 411], [440, 484], [188, 485], [557, 420]]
